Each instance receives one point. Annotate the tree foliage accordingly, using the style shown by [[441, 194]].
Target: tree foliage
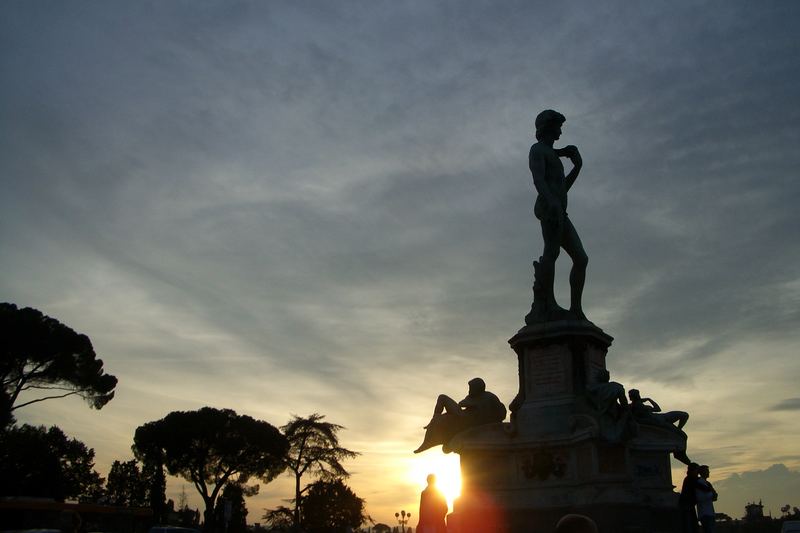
[[330, 506], [314, 450], [41, 462], [127, 485], [42, 356], [281, 517], [211, 448], [147, 449], [237, 523]]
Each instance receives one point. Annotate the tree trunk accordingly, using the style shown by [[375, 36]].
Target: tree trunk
[[297, 500], [209, 523]]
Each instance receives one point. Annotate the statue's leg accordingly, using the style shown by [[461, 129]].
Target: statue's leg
[[681, 456], [433, 433], [577, 277], [445, 404], [552, 229], [681, 417]]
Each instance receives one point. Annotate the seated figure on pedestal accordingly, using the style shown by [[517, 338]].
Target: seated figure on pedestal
[[608, 398], [450, 418], [651, 415], [607, 395]]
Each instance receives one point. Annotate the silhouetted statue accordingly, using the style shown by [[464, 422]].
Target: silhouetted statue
[[432, 509], [651, 415], [449, 418], [607, 396], [614, 414], [557, 229]]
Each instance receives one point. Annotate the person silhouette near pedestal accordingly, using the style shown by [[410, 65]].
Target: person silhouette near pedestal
[[705, 496], [432, 509]]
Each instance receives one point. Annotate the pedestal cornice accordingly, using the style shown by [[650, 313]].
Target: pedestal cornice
[[545, 331]]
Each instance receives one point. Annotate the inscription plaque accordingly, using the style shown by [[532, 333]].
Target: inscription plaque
[[548, 372]]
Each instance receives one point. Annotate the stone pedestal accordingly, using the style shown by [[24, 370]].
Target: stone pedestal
[[557, 455]]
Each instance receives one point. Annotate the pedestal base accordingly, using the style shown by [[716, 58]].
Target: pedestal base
[[610, 518], [513, 484], [560, 454]]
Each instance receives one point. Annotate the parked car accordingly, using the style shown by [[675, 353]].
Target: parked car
[[172, 529], [791, 526]]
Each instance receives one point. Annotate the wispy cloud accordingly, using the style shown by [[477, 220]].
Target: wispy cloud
[[789, 404]]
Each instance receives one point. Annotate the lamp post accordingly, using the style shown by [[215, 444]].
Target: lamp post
[[402, 519]]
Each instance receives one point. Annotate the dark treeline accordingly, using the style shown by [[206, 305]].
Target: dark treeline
[[223, 454]]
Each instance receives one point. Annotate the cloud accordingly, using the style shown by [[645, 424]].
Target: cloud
[[774, 486], [789, 404]]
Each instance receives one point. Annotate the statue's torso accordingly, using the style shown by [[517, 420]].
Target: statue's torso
[[553, 177]]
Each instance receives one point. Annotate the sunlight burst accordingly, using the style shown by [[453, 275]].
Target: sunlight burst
[[447, 469]]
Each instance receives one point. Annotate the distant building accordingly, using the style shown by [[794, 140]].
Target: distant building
[[754, 512]]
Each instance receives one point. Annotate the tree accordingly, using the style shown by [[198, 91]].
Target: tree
[[232, 495], [279, 518], [40, 462], [330, 506], [211, 448], [314, 449], [127, 485], [41, 355], [152, 458]]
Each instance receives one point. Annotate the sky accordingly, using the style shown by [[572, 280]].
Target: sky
[[294, 207]]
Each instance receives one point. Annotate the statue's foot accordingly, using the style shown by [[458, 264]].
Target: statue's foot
[[546, 313], [578, 313], [559, 313], [424, 446], [536, 315], [681, 456]]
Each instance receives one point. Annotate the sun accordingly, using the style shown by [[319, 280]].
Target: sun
[[445, 467]]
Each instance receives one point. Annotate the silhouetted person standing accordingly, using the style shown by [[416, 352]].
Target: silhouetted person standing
[[432, 509], [688, 499], [705, 496], [551, 210]]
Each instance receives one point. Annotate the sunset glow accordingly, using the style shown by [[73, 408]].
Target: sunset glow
[[445, 467]]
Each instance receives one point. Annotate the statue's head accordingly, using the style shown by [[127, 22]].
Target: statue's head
[[633, 394], [431, 479], [692, 469], [549, 122], [704, 471], [476, 386]]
